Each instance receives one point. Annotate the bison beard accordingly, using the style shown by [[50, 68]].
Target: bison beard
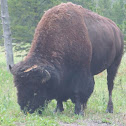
[[71, 45]]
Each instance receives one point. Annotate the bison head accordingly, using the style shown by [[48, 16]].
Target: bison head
[[35, 85]]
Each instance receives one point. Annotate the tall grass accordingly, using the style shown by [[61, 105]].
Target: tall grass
[[10, 114]]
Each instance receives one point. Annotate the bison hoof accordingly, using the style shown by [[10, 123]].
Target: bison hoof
[[58, 110], [81, 113], [109, 110], [110, 107]]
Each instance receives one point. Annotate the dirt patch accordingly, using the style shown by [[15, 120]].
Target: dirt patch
[[86, 123]]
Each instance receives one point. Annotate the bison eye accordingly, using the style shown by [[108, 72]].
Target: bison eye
[[46, 77]]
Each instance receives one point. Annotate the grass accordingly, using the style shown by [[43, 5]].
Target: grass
[[10, 114]]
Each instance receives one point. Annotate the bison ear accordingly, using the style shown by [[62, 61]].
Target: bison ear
[[46, 76], [10, 68]]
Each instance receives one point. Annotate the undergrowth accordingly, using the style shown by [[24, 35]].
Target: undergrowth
[[11, 115]]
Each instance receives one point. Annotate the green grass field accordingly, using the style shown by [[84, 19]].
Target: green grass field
[[95, 115]]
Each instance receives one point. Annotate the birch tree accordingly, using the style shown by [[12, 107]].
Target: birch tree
[[6, 33]]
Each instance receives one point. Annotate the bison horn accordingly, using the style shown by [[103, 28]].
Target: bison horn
[[47, 76], [29, 69]]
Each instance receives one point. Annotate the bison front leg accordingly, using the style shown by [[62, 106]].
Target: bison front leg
[[83, 88], [77, 105], [79, 108], [59, 107]]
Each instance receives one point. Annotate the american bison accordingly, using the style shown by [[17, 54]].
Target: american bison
[[71, 45]]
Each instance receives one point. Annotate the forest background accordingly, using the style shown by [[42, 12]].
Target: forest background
[[25, 14]]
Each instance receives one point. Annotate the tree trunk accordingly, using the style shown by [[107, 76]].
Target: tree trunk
[[7, 33]]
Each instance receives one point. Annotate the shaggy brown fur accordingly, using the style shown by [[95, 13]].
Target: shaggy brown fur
[[71, 45]]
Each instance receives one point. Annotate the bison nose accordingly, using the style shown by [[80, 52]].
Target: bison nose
[[27, 110], [32, 111], [40, 112]]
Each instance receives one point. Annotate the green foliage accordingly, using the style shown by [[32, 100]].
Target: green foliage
[[116, 11], [25, 14], [24, 17], [105, 7], [11, 115]]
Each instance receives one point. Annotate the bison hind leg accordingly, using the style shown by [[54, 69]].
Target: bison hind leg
[[111, 73]]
